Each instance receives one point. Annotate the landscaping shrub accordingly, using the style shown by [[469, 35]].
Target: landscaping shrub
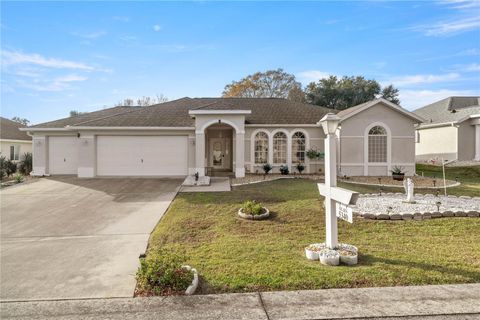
[[300, 167], [25, 166], [267, 167], [161, 273], [7, 167], [314, 154], [284, 170], [252, 207], [18, 178]]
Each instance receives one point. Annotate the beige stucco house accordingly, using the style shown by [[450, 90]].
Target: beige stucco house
[[13, 142], [451, 130], [209, 135]]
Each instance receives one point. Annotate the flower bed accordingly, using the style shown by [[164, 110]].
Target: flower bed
[[343, 253]]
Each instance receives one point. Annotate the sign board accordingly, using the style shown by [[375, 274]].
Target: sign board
[[344, 212], [338, 194]]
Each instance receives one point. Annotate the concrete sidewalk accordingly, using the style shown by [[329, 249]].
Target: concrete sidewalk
[[423, 302]]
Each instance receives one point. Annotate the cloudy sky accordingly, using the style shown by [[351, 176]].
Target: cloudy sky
[[59, 56]]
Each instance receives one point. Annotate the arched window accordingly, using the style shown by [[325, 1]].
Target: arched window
[[298, 147], [377, 144], [280, 148], [261, 147]]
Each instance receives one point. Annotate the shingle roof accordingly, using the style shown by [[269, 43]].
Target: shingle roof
[[451, 109], [9, 130], [175, 113], [70, 121]]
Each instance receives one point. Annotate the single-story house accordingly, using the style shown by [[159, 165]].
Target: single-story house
[[451, 130], [236, 135], [14, 143]]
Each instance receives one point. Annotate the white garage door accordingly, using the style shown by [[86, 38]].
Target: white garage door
[[142, 155], [63, 155]]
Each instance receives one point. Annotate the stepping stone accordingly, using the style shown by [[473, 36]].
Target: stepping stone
[[369, 216], [460, 214], [407, 216], [448, 214], [417, 216], [426, 215], [395, 216], [436, 214], [383, 216]]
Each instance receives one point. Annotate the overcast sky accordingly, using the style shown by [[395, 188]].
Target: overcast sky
[[59, 56]]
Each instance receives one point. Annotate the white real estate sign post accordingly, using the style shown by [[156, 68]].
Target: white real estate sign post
[[337, 199]]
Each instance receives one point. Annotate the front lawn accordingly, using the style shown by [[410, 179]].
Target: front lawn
[[236, 255]]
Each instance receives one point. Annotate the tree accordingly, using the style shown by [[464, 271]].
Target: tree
[[23, 121], [296, 94], [143, 101], [268, 84], [391, 94], [347, 92], [75, 113]]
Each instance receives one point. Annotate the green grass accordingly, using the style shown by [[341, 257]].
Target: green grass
[[235, 255]]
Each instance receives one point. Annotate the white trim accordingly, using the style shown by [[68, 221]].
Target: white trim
[[252, 148], [435, 125], [307, 147], [317, 138], [403, 137], [213, 121], [351, 164], [128, 128], [16, 141], [387, 103], [352, 136], [282, 125], [42, 129], [288, 161], [365, 148], [195, 112]]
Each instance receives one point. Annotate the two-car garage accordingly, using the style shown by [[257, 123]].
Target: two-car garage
[[122, 155]]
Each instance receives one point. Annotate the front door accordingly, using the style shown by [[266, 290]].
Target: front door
[[218, 153]]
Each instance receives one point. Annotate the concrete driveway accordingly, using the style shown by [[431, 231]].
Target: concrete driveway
[[64, 237]]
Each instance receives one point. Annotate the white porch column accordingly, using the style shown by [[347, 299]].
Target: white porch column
[[477, 142], [240, 155], [200, 153], [331, 181], [40, 155], [87, 156]]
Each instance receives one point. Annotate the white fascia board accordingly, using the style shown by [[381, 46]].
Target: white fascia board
[[42, 129], [388, 103], [127, 128], [281, 125], [436, 125], [16, 141], [199, 112]]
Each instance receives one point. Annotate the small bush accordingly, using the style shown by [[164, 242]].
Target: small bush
[[252, 207], [314, 154], [284, 170], [162, 274], [300, 167], [267, 167], [18, 178], [7, 167], [25, 166]]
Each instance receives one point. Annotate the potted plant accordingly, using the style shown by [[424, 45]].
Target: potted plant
[[284, 169], [329, 257], [397, 173], [311, 252], [300, 167], [253, 210], [267, 167]]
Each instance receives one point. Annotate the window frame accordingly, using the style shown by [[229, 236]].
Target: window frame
[[266, 141], [15, 155], [295, 144], [382, 144], [276, 151]]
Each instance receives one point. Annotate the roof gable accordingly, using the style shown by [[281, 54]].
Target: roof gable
[[350, 112]]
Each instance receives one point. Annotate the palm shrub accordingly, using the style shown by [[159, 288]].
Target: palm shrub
[[161, 273], [26, 164], [267, 167], [18, 178], [300, 167], [7, 167]]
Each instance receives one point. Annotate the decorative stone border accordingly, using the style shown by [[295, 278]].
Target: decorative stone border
[[425, 215], [456, 184], [262, 216], [191, 288], [278, 177]]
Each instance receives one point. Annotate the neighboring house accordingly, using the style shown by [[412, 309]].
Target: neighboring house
[[236, 135], [14, 143], [451, 130]]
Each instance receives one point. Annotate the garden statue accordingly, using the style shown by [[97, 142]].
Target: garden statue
[[408, 185]]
